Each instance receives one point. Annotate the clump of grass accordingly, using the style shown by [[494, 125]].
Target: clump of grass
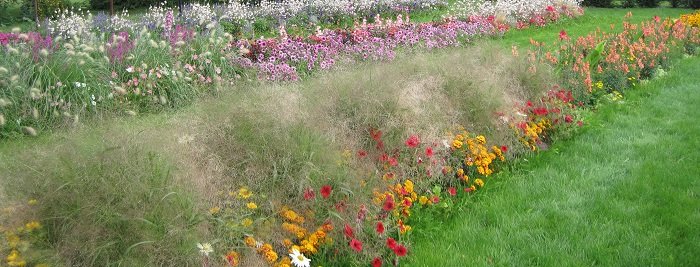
[[106, 206]]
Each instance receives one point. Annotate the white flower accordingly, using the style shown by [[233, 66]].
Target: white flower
[[445, 144], [205, 248], [130, 69], [299, 260]]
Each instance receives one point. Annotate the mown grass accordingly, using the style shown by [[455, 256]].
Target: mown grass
[[594, 18], [624, 192]]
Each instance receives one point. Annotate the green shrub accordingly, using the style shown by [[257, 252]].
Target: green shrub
[[598, 3], [46, 8], [262, 26], [234, 29], [648, 3]]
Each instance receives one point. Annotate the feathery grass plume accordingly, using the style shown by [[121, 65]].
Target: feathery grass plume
[[163, 100], [4, 103], [16, 30], [35, 113], [130, 112], [2, 119], [29, 131], [35, 93], [14, 78], [119, 90], [153, 43], [76, 120], [4, 70]]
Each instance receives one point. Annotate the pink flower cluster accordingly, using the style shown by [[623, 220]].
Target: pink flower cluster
[[281, 58]]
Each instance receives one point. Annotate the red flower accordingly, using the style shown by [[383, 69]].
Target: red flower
[[340, 206], [467, 189], [435, 199], [580, 123], [452, 191], [563, 35], [391, 243], [541, 111], [407, 202], [309, 194], [393, 161], [380, 145], [384, 158], [376, 134], [389, 203], [504, 149], [550, 8], [348, 231], [429, 152], [356, 245], [400, 250], [377, 262], [361, 154], [568, 118], [380, 228], [413, 141], [529, 103], [326, 191]]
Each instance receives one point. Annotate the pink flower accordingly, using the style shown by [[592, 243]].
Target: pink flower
[[413, 141], [356, 245], [349, 232], [452, 191], [429, 152], [309, 194], [568, 118], [563, 35]]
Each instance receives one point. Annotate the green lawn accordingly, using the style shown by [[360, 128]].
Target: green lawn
[[593, 19], [625, 192]]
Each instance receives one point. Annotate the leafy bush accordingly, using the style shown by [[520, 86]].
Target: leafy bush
[[104, 4], [648, 3], [46, 7], [597, 3]]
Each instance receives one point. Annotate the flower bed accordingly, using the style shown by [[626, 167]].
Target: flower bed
[[84, 69], [366, 219], [374, 227]]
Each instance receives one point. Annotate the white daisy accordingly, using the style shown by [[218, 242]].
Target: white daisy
[[205, 248], [299, 260]]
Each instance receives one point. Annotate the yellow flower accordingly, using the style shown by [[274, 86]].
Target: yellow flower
[[472, 188], [481, 139], [31, 226], [247, 222], [250, 242], [233, 258], [33, 202], [214, 210], [479, 182], [244, 193], [423, 200], [457, 144], [252, 205], [408, 185]]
